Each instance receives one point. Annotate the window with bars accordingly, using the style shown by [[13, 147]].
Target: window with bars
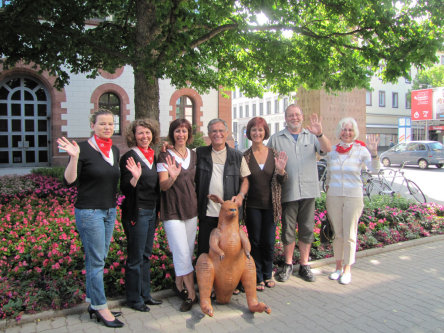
[[185, 109], [111, 101]]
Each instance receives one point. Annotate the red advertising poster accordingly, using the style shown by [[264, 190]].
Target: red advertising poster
[[422, 104]]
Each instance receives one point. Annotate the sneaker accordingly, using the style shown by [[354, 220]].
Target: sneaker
[[306, 274], [285, 273], [345, 278], [335, 275]]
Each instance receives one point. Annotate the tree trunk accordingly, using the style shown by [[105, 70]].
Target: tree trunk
[[146, 85], [146, 96]]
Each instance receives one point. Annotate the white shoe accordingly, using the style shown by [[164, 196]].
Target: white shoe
[[345, 278], [335, 275]]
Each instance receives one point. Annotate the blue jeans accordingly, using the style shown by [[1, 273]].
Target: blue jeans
[[261, 233], [95, 227], [140, 239]]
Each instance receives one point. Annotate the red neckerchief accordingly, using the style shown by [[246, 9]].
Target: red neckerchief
[[362, 143], [341, 150], [148, 153], [104, 145]]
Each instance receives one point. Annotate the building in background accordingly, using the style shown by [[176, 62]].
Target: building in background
[[331, 108], [271, 107], [386, 106], [389, 104], [33, 114]]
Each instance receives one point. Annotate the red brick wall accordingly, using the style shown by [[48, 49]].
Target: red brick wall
[[224, 106]]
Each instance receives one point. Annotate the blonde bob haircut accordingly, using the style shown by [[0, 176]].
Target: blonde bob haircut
[[151, 124], [343, 122]]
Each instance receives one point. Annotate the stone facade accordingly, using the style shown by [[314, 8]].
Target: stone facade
[[68, 111]]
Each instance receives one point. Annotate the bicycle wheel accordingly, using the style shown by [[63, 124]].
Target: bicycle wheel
[[416, 192], [378, 187], [366, 178]]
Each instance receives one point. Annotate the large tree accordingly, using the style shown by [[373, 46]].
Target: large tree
[[334, 44], [429, 78]]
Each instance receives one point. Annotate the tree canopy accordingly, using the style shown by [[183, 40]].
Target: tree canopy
[[256, 45], [429, 78]]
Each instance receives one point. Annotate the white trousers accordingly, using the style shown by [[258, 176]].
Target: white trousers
[[344, 214], [181, 237]]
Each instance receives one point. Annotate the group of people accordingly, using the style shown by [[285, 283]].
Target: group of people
[[267, 182]]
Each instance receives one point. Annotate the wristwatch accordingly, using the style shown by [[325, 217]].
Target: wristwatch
[[320, 135]]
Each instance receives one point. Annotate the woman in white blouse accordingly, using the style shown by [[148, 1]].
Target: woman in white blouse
[[344, 201]]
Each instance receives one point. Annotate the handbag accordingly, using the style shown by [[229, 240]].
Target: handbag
[[326, 233]]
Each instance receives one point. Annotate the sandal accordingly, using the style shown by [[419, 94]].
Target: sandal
[[260, 286], [270, 283]]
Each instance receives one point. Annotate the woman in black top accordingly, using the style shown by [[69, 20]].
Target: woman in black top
[[140, 185], [94, 168], [263, 201]]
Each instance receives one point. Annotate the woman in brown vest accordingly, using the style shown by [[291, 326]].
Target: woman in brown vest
[[263, 201], [178, 207]]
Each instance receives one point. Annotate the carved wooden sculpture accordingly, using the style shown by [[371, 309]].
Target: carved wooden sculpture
[[227, 263]]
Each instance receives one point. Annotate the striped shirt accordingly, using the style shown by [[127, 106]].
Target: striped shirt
[[344, 171]]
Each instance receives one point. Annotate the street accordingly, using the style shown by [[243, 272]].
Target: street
[[430, 181]]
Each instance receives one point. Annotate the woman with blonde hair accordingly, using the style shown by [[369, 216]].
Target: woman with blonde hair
[[94, 168]]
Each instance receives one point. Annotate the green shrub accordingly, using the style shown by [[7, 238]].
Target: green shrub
[[56, 172]]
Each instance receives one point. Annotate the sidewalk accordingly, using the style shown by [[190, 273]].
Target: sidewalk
[[14, 171], [399, 288]]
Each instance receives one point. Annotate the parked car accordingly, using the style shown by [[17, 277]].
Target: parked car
[[421, 153]]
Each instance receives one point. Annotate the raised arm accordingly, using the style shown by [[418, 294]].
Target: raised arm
[[315, 128], [73, 150]]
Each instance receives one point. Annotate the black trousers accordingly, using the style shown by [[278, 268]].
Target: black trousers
[[262, 234], [206, 225], [140, 239]]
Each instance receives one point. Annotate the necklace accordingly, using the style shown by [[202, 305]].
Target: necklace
[[183, 155]]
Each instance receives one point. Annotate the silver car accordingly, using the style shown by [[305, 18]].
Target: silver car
[[421, 153]]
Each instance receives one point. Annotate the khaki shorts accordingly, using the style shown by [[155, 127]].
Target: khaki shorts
[[298, 213]]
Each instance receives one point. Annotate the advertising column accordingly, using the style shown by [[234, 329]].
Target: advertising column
[[422, 107]]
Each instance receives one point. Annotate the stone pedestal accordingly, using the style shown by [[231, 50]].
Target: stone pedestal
[[332, 108]]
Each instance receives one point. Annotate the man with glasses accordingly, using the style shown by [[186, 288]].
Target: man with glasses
[[301, 188], [222, 171]]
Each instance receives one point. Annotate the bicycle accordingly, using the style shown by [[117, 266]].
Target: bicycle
[[371, 186], [374, 186], [384, 186]]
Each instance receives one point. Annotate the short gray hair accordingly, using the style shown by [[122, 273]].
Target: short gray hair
[[347, 120], [293, 106], [215, 121]]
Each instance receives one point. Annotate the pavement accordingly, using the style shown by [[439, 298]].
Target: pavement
[[15, 171], [398, 288]]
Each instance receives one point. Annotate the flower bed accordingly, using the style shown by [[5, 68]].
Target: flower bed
[[41, 256]]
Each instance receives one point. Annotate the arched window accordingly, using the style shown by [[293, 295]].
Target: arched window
[[185, 109], [25, 111], [111, 101]]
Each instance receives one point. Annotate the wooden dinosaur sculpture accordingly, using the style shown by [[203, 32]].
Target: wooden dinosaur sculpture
[[227, 263]]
